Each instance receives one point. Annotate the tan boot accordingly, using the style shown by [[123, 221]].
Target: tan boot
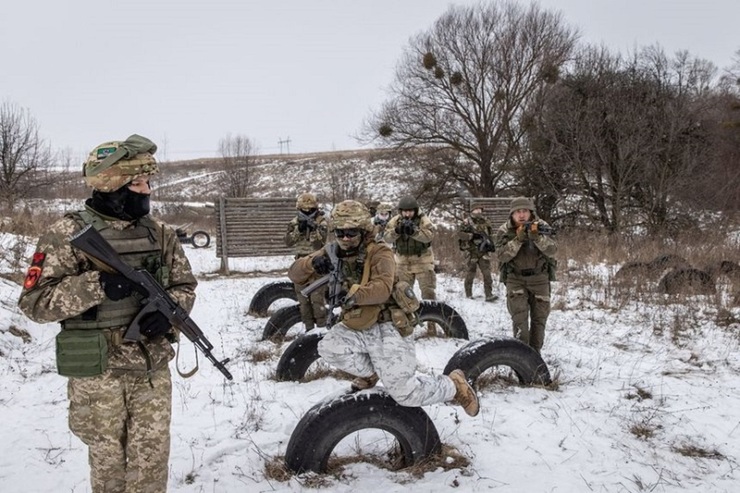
[[465, 395], [363, 383]]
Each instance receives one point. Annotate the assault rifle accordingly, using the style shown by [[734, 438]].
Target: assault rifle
[[543, 230], [156, 299], [306, 218], [485, 245], [333, 279]]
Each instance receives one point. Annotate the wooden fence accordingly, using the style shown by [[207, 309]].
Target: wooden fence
[[495, 209]]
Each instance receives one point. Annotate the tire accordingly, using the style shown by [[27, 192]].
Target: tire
[[477, 356], [280, 322], [444, 315], [200, 239], [268, 294], [430, 311], [299, 356], [328, 422]]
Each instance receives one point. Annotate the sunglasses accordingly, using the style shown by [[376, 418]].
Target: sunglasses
[[349, 233]]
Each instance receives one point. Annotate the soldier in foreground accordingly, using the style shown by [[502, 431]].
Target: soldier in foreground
[[475, 236], [120, 392], [525, 249], [306, 233], [373, 339]]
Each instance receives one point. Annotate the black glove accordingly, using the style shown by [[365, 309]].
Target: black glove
[[302, 226], [116, 286], [399, 228], [321, 265], [154, 325], [408, 228]]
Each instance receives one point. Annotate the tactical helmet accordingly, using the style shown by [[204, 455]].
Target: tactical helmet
[[521, 203], [385, 207], [306, 201], [351, 214], [112, 165], [408, 203]]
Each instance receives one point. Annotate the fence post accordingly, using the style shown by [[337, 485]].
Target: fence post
[[224, 242]]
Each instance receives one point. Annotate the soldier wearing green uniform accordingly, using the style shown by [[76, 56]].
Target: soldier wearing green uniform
[[120, 392], [307, 233], [475, 237], [525, 254]]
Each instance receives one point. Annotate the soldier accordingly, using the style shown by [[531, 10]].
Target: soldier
[[380, 220], [120, 392], [411, 233], [306, 233], [475, 236], [373, 341], [525, 251]]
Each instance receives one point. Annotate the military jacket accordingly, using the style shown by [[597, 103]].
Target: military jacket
[[517, 258], [305, 242], [413, 253], [471, 243], [62, 284]]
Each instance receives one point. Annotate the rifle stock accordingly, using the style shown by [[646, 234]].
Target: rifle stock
[[156, 298]]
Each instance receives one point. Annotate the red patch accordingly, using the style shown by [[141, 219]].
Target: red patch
[[34, 272]]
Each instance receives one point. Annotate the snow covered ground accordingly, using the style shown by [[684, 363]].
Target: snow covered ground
[[639, 406]]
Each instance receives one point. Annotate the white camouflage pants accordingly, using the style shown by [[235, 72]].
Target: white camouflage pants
[[382, 350]]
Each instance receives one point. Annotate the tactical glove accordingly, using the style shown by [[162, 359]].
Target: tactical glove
[[116, 286], [154, 325], [321, 265], [302, 226], [521, 233], [399, 228]]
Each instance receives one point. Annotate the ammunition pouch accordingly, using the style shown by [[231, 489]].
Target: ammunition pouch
[[361, 317], [81, 353]]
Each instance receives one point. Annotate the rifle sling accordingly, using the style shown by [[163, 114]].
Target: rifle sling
[[177, 363]]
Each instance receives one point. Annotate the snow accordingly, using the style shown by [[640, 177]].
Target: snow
[[619, 366]]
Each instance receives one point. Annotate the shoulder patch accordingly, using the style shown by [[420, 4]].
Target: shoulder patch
[[34, 271]]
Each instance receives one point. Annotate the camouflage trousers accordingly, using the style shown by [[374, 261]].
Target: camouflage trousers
[[313, 308], [381, 349], [427, 282], [473, 264], [125, 422], [528, 302]]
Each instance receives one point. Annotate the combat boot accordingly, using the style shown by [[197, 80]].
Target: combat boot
[[491, 297], [363, 383], [465, 395]]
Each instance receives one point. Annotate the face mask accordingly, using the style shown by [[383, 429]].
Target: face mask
[[121, 204]]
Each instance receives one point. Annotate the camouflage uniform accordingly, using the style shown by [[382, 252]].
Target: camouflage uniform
[[526, 269], [123, 414], [472, 236], [380, 220], [414, 255], [305, 240], [375, 346]]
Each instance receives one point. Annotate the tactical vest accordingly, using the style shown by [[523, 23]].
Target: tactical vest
[[140, 248], [405, 245], [310, 241]]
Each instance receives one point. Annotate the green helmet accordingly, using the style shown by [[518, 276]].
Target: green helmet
[[112, 165], [306, 201], [521, 203], [408, 203], [351, 214]]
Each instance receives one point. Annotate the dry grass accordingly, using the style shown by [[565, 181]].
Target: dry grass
[[691, 450]]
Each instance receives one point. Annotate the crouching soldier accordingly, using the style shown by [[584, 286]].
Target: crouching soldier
[[373, 339]]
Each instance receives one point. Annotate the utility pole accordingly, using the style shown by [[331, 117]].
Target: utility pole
[[286, 142]]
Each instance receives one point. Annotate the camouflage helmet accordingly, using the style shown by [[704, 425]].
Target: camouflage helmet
[[385, 207], [351, 214], [408, 203], [112, 165], [306, 201]]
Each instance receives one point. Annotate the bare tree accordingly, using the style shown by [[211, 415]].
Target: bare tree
[[24, 156], [236, 161], [464, 84]]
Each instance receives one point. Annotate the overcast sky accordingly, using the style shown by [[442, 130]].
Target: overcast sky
[[186, 73]]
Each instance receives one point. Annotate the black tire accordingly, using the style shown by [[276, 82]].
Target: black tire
[[280, 322], [299, 356], [430, 311], [477, 356], [200, 239], [447, 317], [327, 423], [268, 294]]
